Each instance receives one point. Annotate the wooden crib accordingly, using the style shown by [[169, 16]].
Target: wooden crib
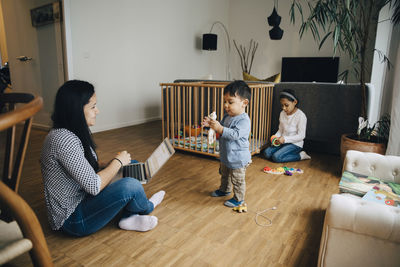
[[184, 105]]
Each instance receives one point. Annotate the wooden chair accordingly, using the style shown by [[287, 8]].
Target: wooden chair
[[10, 117], [25, 233], [12, 243]]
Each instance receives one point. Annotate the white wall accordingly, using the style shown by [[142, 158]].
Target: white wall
[[248, 20], [127, 47]]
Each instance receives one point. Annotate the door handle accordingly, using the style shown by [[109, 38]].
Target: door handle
[[24, 58]]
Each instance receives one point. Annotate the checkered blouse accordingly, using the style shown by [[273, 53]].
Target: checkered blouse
[[68, 177]]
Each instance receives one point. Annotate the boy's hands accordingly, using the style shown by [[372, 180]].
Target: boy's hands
[[213, 124], [206, 122]]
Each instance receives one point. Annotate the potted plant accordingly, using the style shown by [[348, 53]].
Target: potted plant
[[368, 138], [349, 23]]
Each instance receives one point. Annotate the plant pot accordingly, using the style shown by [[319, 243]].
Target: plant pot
[[348, 143]]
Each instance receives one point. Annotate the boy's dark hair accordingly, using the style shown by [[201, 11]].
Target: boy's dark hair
[[288, 95], [68, 113], [239, 88]]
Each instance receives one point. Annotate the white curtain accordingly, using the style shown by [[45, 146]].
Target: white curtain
[[394, 137], [387, 80]]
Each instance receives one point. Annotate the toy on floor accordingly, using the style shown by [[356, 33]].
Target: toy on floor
[[282, 170], [241, 208], [212, 137], [274, 140]]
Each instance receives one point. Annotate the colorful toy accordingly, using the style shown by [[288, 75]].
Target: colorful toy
[[241, 208], [282, 170], [274, 140]]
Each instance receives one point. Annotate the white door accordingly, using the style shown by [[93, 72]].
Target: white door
[[35, 53]]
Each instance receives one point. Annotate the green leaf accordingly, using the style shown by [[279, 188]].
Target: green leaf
[[336, 37], [323, 40]]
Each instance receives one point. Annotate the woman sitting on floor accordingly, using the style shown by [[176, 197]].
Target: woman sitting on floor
[[79, 197]]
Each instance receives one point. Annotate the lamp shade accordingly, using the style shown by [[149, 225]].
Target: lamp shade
[[209, 41], [274, 19], [276, 33]]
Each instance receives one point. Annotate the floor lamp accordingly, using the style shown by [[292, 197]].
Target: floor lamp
[[210, 43]]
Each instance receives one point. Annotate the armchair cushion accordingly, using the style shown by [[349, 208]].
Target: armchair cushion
[[12, 243], [360, 233], [364, 217]]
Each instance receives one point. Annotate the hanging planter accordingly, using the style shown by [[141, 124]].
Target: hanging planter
[[274, 20], [276, 33]]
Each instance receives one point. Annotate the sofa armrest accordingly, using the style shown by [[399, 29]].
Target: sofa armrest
[[357, 232], [364, 217], [386, 168]]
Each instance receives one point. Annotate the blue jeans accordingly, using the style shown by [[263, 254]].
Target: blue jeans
[[94, 212], [283, 153]]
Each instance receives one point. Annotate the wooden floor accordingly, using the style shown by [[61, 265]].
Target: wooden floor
[[195, 229]]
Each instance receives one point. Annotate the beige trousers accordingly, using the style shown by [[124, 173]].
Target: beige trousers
[[234, 178]]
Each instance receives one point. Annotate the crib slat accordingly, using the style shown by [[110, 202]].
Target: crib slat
[[201, 114]]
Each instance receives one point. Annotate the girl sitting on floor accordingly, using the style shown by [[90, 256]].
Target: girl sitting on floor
[[289, 139]]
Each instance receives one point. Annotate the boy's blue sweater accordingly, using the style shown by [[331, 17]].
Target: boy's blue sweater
[[234, 142]]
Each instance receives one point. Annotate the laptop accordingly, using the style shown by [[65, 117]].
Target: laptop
[[145, 171]]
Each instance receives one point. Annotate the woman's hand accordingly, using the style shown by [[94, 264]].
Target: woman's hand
[[113, 167], [124, 157]]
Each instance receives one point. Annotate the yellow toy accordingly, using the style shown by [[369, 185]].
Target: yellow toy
[[241, 208]]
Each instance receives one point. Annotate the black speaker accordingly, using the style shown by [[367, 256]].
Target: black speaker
[[209, 41]]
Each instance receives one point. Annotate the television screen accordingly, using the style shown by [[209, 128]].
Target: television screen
[[310, 69]]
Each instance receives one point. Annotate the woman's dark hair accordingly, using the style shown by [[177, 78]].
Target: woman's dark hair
[[68, 113], [290, 95]]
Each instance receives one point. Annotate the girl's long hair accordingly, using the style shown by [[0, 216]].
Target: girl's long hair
[[68, 113]]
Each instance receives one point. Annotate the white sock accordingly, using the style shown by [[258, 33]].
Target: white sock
[[157, 198], [304, 155], [141, 223]]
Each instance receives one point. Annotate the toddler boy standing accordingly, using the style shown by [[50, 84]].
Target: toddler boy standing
[[234, 131]]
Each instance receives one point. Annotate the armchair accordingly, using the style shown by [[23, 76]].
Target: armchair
[[357, 232]]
